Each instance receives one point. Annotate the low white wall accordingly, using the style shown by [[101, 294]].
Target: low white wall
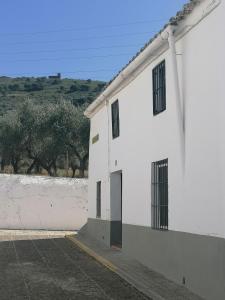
[[36, 202]]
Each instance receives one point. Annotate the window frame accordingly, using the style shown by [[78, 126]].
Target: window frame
[[159, 87], [115, 119], [98, 199], [159, 195]]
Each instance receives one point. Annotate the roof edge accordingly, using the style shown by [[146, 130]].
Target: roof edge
[[155, 43]]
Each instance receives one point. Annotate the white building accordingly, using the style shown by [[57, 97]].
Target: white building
[[157, 153]]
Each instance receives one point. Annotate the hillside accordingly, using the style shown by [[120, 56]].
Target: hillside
[[41, 89]]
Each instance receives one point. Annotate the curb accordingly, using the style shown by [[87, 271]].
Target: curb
[[152, 295], [90, 252]]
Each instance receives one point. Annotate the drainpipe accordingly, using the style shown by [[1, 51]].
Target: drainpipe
[[108, 140], [108, 210], [175, 78]]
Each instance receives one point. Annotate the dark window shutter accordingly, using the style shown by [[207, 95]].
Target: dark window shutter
[[160, 194], [115, 119], [98, 202], [159, 88]]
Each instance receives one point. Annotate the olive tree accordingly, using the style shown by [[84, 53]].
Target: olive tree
[[11, 140], [72, 130]]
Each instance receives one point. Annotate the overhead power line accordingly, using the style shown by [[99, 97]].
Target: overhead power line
[[27, 74], [70, 50], [83, 28], [68, 58], [79, 39]]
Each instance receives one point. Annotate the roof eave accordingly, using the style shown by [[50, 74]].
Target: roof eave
[[157, 41], [130, 68]]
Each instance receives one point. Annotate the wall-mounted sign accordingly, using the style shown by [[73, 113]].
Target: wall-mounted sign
[[95, 139]]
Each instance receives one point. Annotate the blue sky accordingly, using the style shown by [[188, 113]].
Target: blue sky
[[81, 39]]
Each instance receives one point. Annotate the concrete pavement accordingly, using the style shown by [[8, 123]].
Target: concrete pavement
[[38, 266]]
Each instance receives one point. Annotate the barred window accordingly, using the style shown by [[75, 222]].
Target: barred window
[[159, 210], [98, 198], [159, 88], [115, 119]]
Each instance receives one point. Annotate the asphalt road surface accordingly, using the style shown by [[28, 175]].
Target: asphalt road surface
[[56, 269]]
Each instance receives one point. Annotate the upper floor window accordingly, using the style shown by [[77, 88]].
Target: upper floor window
[[115, 119], [159, 88]]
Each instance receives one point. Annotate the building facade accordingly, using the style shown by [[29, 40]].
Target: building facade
[[157, 153]]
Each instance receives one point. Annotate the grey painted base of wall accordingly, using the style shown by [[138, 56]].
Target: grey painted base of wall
[[107, 232], [197, 260], [100, 230]]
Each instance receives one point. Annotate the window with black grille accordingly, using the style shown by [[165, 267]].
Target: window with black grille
[[98, 196], [115, 119], [159, 88], [160, 195]]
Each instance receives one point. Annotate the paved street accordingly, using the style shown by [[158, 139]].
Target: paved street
[[54, 268]]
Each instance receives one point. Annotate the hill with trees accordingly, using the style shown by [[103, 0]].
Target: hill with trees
[[42, 126], [42, 90]]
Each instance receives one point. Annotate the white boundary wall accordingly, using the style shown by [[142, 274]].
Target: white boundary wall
[[36, 202]]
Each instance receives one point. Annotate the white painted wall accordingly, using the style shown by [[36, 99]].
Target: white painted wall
[[196, 192], [98, 165], [36, 202]]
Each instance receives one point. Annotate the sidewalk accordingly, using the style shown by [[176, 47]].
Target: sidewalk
[[151, 283], [18, 234]]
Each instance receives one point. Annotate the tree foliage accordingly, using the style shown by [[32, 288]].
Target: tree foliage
[[11, 140], [45, 135]]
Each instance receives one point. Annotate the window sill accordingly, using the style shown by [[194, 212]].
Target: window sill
[[160, 229], [158, 113]]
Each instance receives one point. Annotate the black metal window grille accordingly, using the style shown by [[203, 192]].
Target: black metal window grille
[[160, 195], [115, 119], [98, 196], [159, 88]]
